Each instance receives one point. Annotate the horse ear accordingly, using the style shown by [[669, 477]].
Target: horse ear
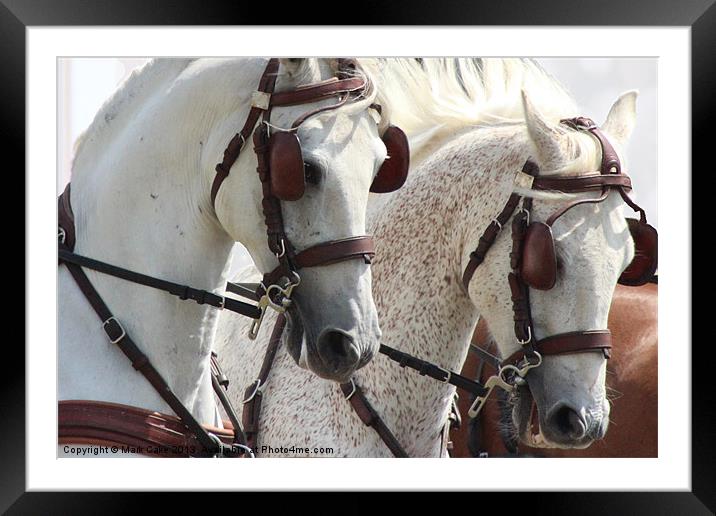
[[291, 64], [547, 140], [622, 117]]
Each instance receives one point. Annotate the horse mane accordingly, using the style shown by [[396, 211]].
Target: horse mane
[[432, 98], [459, 92]]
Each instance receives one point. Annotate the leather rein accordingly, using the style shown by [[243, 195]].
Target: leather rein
[[93, 422]]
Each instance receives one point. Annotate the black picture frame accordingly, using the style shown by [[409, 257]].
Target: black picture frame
[[700, 15]]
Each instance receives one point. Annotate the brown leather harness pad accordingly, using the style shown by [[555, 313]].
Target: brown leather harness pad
[[132, 429]]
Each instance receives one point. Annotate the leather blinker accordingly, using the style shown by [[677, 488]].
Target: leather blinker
[[646, 243], [538, 266], [288, 182], [394, 170]]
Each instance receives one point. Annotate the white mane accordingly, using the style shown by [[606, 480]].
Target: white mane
[[432, 98], [435, 92]]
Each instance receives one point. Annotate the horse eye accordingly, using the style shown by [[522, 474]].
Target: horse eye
[[311, 172]]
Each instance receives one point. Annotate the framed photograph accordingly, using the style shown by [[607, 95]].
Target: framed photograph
[[112, 97]]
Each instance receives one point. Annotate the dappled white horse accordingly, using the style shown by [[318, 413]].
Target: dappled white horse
[[142, 199], [472, 132]]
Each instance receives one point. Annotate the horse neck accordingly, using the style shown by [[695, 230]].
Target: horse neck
[[424, 235], [144, 206]]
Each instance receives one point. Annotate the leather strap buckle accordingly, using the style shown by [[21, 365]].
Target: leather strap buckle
[[251, 396], [114, 330], [61, 234], [353, 390]]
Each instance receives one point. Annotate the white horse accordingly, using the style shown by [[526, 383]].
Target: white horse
[[472, 131], [140, 194]]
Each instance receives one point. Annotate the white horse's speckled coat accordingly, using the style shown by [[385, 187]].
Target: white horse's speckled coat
[[424, 234]]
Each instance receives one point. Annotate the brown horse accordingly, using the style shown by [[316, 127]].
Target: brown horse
[[631, 378]]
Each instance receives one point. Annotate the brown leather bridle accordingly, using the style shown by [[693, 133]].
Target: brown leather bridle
[[533, 260], [277, 285]]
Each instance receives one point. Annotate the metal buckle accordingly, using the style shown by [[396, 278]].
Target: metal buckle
[[529, 337], [220, 453], [353, 390], [256, 389], [121, 336], [283, 250], [246, 448], [221, 303], [582, 126], [61, 234], [448, 373], [492, 382], [499, 380], [527, 214]]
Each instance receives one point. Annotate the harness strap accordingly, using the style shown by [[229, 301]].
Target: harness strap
[[220, 383], [568, 343], [183, 292], [433, 371], [485, 357], [247, 290], [365, 411], [326, 253], [117, 335], [65, 218], [493, 229], [488, 239], [253, 394], [231, 154], [584, 183], [337, 251], [319, 91], [151, 433]]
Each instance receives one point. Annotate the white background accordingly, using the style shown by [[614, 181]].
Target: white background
[[671, 470]]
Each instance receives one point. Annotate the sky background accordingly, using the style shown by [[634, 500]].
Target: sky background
[[85, 83]]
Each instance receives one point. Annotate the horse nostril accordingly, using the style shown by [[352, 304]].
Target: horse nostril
[[338, 350], [568, 422], [334, 342]]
